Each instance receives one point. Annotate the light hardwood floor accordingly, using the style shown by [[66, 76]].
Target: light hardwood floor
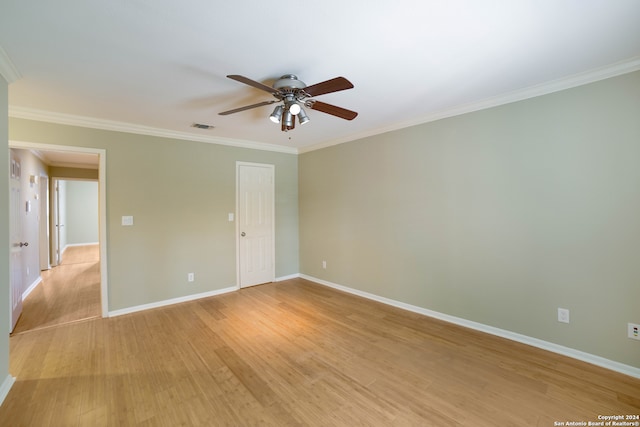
[[69, 292], [296, 353]]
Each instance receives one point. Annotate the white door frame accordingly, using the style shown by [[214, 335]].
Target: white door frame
[[102, 208], [55, 223], [43, 223], [273, 222]]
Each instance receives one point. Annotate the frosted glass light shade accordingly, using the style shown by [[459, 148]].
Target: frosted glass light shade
[[294, 109]]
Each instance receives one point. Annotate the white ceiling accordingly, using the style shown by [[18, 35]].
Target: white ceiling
[[160, 65]]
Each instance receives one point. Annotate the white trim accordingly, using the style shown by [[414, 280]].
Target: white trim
[[619, 68], [534, 342], [69, 245], [44, 249], [172, 301], [102, 211], [116, 126], [289, 277], [7, 69], [102, 203], [32, 287], [5, 387]]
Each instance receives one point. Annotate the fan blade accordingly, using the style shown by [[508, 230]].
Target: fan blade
[[343, 113], [253, 83], [333, 85], [248, 107]]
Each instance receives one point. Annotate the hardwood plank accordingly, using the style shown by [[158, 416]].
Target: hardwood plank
[[294, 354]]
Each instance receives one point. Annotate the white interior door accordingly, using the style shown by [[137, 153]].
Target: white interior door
[[16, 242], [255, 223]]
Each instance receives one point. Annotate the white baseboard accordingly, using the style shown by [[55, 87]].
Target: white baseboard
[[32, 287], [534, 342], [289, 277], [70, 245], [5, 387], [164, 303], [172, 301]]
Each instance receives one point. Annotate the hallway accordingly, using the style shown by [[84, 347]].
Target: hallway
[[68, 293]]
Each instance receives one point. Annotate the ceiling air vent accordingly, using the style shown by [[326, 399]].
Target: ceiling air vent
[[202, 126]]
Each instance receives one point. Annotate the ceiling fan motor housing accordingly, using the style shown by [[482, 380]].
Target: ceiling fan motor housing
[[289, 81]]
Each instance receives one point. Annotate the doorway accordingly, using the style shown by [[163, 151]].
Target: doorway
[[74, 215], [255, 223], [69, 291], [70, 157]]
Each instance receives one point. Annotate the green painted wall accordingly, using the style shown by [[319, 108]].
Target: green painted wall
[[180, 194], [498, 216], [5, 307], [82, 212]]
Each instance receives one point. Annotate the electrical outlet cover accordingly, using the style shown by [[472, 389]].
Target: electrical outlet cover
[[563, 315]]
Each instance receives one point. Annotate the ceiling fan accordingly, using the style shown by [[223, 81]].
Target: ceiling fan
[[294, 92]]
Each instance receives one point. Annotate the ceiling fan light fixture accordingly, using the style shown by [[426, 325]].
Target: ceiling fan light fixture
[[276, 115], [293, 94], [302, 117]]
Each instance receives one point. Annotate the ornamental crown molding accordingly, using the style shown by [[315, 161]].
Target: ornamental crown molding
[[590, 76], [117, 126]]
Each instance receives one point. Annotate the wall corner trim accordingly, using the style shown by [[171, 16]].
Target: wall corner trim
[[523, 339], [5, 387]]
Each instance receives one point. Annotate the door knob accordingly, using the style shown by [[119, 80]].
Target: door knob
[[24, 244], [243, 234]]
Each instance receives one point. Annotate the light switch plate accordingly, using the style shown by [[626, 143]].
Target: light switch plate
[[127, 220], [231, 216], [633, 331]]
